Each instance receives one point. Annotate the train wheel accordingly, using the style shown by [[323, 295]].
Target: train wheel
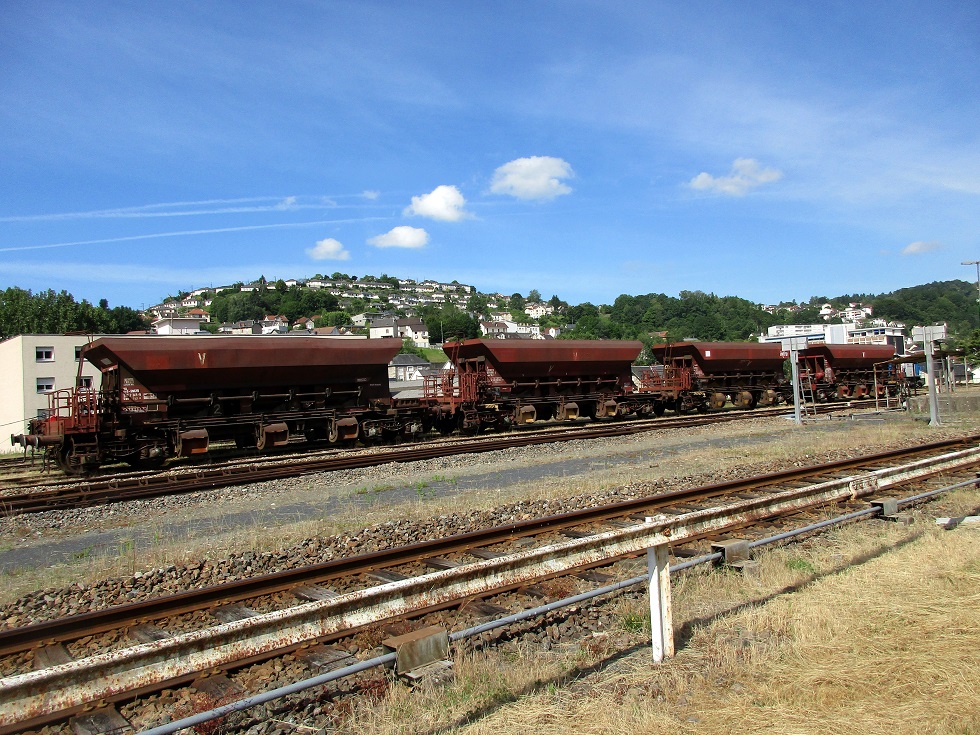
[[445, 425], [469, 425], [68, 460], [658, 408], [146, 463]]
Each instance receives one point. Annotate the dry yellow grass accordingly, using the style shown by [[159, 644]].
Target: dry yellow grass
[[872, 629]]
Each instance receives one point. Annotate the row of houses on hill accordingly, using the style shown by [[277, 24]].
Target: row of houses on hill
[[409, 295], [854, 312]]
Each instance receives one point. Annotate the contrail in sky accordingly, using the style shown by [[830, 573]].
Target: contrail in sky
[[130, 238], [281, 204]]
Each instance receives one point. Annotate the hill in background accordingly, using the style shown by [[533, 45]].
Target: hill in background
[[650, 317]]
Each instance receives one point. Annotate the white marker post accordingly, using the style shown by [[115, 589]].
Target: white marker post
[[661, 616]]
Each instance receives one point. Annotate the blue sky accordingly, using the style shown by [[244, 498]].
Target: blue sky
[[774, 151]]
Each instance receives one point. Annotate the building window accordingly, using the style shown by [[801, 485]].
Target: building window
[[85, 382], [45, 385], [78, 354], [44, 354]]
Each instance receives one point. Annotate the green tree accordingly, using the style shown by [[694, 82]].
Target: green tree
[[409, 348], [449, 323], [478, 304], [333, 319], [556, 303]]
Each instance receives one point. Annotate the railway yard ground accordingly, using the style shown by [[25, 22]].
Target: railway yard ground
[[874, 627]]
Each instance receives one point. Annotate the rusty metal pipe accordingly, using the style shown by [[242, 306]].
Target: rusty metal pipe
[[243, 704], [34, 440]]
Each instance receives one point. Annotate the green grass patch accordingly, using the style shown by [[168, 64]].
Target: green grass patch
[[434, 355], [801, 565], [374, 489]]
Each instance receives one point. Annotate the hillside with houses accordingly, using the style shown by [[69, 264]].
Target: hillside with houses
[[346, 305], [426, 313]]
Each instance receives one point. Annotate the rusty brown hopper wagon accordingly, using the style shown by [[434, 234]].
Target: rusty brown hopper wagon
[[538, 379], [849, 357], [167, 396], [747, 373], [840, 372], [180, 368]]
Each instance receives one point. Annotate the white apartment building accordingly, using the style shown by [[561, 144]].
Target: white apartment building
[[34, 365], [842, 334]]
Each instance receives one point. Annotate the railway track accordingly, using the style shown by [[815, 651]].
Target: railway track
[[190, 616], [135, 486]]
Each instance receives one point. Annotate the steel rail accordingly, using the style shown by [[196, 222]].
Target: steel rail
[[388, 659], [24, 638], [101, 492], [78, 683]]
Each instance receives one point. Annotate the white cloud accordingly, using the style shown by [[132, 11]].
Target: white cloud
[[921, 246], [328, 249], [537, 177], [401, 237], [745, 174], [442, 203], [370, 194]]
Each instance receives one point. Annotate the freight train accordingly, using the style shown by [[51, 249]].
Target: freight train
[[164, 397]]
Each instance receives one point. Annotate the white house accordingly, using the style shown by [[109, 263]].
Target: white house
[[536, 311], [177, 325], [414, 329], [410, 328], [506, 329], [407, 367]]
